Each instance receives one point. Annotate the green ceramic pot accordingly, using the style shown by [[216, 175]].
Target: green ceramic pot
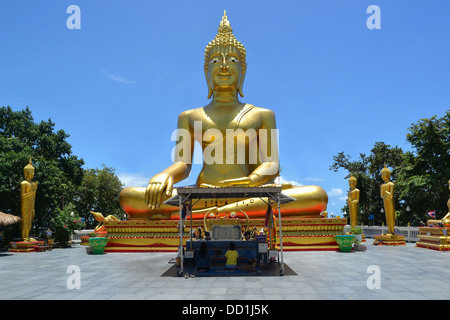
[[98, 245], [345, 242]]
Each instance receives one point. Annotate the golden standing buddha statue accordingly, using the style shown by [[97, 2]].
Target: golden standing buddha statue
[[353, 201], [28, 196], [387, 193], [225, 69]]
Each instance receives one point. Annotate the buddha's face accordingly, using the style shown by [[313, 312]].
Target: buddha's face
[[352, 184], [385, 176], [225, 72], [29, 174]]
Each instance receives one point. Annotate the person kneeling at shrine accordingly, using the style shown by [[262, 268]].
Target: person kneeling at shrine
[[203, 258], [231, 255]]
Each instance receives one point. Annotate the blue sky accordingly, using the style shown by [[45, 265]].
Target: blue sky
[[118, 84]]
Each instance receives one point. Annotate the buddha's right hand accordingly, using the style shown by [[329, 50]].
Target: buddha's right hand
[[159, 184]]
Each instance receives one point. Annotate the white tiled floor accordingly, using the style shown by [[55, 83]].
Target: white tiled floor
[[406, 272]]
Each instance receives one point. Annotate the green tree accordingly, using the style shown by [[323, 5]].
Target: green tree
[[21, 139], [367, 172], [99, 192], [420, 177], [424, 178]]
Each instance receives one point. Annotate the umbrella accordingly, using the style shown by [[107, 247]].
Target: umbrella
[[7, 219]]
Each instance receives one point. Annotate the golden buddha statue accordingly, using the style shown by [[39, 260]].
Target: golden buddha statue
[[225, 116], [353, 201], [387, 193], [27, 200]]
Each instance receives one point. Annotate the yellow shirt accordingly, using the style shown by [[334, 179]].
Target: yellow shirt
[[231, 256]]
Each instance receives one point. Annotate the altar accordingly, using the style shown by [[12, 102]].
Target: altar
[[186, 195], [248, 250]]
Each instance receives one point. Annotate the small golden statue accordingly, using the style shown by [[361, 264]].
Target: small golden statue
[[225, 68], [353, 201], [324, 213], [387, 193], [100, 218], [27, 196]]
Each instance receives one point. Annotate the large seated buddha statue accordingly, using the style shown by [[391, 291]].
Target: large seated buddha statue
[[239, 143]]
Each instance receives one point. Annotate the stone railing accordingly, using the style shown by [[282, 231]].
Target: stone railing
[[410, 233], [76, 237]]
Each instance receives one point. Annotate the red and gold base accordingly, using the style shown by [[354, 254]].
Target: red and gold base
[[27, 246], [435, 238], [389, 240], [302, 234]]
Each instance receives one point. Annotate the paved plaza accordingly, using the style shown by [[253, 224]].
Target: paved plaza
[[381, 272]]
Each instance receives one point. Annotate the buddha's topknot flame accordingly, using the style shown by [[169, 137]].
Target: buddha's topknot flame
[[224, 38]]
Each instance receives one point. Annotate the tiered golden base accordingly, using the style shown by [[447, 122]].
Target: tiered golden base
[[311, 234], [434, 238], [389, 240], [27, 246], [163, 235]]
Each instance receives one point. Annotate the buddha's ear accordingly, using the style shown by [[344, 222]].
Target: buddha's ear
[[241, 84], [208, 83]]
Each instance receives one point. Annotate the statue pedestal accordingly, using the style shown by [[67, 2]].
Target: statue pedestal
[[389, 240], [299, 234], [311, 234], [435, 238], [145, 235], [27, 246]]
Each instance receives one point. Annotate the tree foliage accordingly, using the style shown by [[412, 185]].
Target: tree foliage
[[426, 172], [64, 222], [99, 192], [420, 177], [367, 172], [21, 139], [62, 179]]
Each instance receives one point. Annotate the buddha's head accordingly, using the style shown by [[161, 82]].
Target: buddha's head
[[385, 174], [225, 64], [352, 182], [28, 171]]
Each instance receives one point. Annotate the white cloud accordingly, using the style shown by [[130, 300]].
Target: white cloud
[[133, 179], [314, 179], [293, 182], [118, 78], [335, 192]]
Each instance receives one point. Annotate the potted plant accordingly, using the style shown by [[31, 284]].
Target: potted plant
[[357, 232]]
